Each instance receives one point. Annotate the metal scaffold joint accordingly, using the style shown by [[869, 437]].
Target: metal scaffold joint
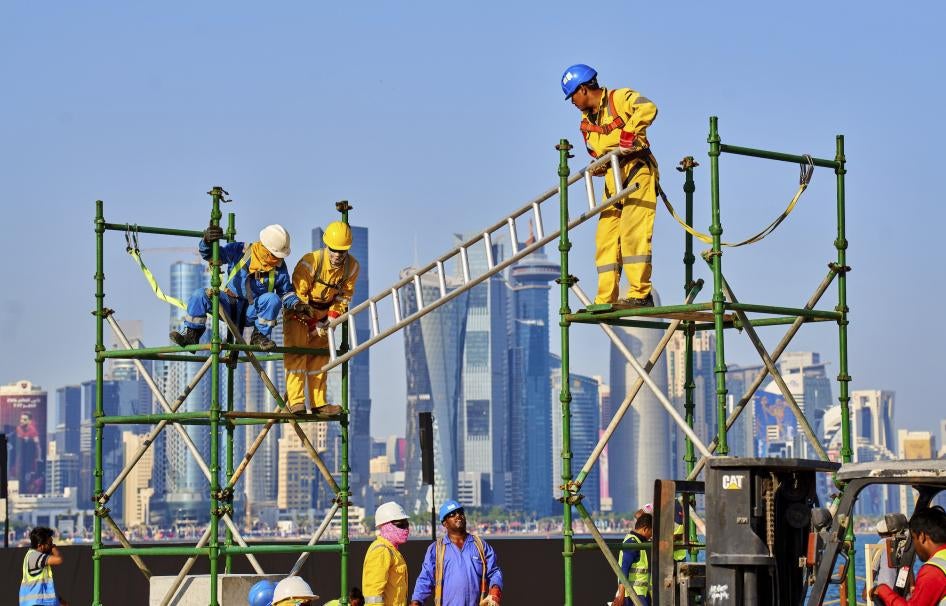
[[343, 206], [839, 269]]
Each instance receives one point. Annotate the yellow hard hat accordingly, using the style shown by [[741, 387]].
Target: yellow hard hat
[[337, 236]]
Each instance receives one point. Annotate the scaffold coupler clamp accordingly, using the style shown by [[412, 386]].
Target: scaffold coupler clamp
[[339, 500], [839, 269], [216, 190], [687, 163], [343, 206]]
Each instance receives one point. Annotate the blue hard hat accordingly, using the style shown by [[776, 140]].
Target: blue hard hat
[[261, 593], [448, 507], [575, 76]]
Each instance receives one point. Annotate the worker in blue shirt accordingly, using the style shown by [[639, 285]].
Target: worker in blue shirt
[[256, 288], [461, 569], [634, 564]]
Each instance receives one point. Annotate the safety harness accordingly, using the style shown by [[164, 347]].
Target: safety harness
[[131, 247], [618, 122], [438, 571], [310, 321], [249, 276]]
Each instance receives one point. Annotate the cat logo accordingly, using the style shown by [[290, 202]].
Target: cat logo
[[733, 482]]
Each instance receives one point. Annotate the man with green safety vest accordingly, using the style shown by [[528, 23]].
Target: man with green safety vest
[[37, 587], [928, 533], [679, 555], [635, 564]]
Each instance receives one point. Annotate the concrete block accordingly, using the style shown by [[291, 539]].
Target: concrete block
[[195, 590]]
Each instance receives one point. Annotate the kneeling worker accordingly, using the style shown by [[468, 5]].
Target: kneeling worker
[[256, 288], [324, 280], [618, 119]]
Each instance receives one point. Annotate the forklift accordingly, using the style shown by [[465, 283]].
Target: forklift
[[768, 539]]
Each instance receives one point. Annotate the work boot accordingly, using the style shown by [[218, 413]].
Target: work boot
[[327, 410], [261, 340], [188, 336], [296, 409], [647, 301]]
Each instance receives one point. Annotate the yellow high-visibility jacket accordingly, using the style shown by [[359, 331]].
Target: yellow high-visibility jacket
[[620, 110], [325, 287], [384, 577]]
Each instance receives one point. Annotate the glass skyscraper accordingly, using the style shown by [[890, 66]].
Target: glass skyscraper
[[530, 432], [584, 432], [186, 487], [484, 405], [433, 347]]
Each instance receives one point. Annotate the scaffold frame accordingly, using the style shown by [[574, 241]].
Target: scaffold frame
[[221, 422], [723, 312]]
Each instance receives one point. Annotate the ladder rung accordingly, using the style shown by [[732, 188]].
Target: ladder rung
[[397, 305], [616, 169], [488, 243], [513, 236], [331, 344], [373, 312], [442, 279], [352, 332], [590, 189], [537, 214], [418, 292], [464, 265]]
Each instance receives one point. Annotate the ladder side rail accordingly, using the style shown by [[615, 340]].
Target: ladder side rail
[[527, 208], [335, 361]]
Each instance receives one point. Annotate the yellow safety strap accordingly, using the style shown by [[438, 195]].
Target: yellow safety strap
[[132, 249], [803, 180]]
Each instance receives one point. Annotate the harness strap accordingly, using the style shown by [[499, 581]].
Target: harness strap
[[438, 570], [616, 122], [136, 255], [803, 181]]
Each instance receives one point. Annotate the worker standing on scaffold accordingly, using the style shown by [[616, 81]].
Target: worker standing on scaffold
[[324, 280], [618, 119], [256, 288]]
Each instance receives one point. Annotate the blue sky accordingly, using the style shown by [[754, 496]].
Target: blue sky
[[433, 119]]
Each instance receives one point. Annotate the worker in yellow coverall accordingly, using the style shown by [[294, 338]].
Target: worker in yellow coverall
[[324, 280], [618, 119]]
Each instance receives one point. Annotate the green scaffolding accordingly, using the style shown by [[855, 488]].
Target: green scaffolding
[[219, 355], [722, 312]]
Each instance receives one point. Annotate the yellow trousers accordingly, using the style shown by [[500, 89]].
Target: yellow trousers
[[623, 238], [302, 369]]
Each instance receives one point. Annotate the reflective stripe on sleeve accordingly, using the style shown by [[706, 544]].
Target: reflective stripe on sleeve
[[266, 322], [374, 599], [195, 319]]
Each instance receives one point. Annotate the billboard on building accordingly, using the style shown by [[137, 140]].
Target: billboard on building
[[23, 420], [775, 425]]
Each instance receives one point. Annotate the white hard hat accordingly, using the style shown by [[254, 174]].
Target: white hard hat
[[293, 587], [276, 240], [389, 512]]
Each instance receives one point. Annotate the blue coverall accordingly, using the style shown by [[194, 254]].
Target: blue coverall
[[462, 572], [243, 292]]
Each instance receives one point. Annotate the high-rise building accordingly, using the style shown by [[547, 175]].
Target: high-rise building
[[640, 450], [359, 384], [62, 470], [67, 431], [297, 475], [187, 496], [942, 438], [433, 348], [484, 404], [260, 480], [807, 380], [531, 398], [704, 391], [913, 445], [118, 398], [872, 439], [138, 491], [584, 433], [605, 413], [23, 420]]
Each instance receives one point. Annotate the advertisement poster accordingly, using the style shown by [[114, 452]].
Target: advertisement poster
[[23, 418], [775, 425]]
